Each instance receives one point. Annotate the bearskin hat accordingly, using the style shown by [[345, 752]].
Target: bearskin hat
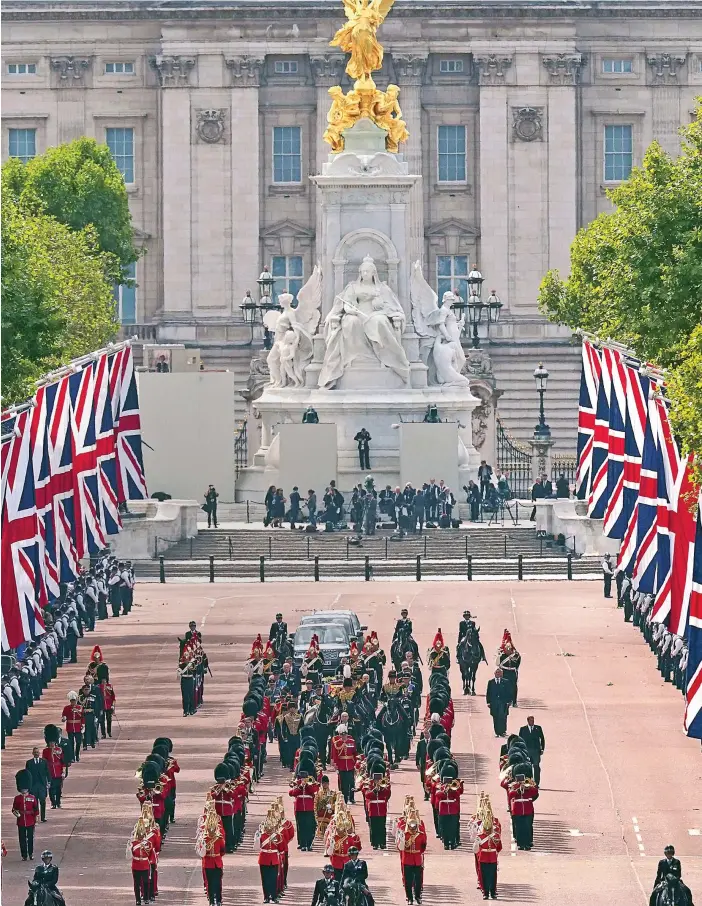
[[23, 780], [449, 771], [163, 741], [103, 673], [52, 734], [158, 761], [222, 772], [150, 773]]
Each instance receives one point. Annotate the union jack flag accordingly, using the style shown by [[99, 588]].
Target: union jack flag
[[623, 501], [589, 383], [106, 448], [89, 535], [667, 502], [131, 482], [42, 491], [600, 440], [23, 588], [693, 685], [644, 567], [616, 443]]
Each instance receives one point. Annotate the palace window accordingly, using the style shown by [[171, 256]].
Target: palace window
[[285, 67], [287, 159], [618, 152], [449, 66], [23, 144], [119, 68], [452, 274], [616, 65], [125, 297], [452, 153], [287, 270], [121, 145], [21, 68]]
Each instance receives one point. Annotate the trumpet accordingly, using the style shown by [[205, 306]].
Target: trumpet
[[453, 785], [381, 784]]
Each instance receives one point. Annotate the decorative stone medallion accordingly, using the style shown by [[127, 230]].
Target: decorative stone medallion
[[210, 125], [527, 123]]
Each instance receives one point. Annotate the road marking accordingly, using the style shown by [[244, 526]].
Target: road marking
[[513, 844], [514, 609], [695, 832], [637, 832]]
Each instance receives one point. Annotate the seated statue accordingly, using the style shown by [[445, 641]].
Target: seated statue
[[365, 322], [292, 330]]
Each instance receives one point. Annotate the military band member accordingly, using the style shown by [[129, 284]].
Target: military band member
[[377, 794], [209, 845], [340, 838], [74, 718], [108, 700], [139, 850], [487, 846], [521, 794], [25, 808], [343, 756], [303, 789], [411, 842], [448, 804], [324, 805], [270, 855], [53, 756]]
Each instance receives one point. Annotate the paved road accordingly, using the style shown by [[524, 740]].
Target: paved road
[[619, 779]]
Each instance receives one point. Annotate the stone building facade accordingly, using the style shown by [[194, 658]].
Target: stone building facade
[[521, 114]]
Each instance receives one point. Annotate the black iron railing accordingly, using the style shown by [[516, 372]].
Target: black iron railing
[[241, 449], [514, 461]]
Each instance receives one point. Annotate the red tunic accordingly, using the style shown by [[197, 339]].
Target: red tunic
[[343, 752], [340, 855], [53, 756], [108, 695], [303, 794], [25, 808], [376, 800], [414, 845], [141, 854], [521, 798], [213, 855], [269, 849], [74, 716], [448, 801], [487, 846]]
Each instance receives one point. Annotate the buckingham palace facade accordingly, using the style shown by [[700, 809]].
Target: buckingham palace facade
[[521, 114]]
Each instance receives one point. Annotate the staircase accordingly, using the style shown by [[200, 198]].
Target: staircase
[[494, 551], [513, 363]]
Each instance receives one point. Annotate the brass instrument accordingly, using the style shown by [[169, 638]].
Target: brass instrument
[[381, 784], [453, 785]]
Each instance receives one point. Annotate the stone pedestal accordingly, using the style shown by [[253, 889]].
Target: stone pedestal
[[541, 446]]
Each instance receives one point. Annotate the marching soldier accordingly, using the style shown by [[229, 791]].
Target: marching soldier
[[25, 808], [303, 790], [74, 718], [209, 845], [53, 756], [377, 793], [487, 846], [90, 700], [521, 794], [324, 805], [139, 850], [186, 675], [509, 661], [411, 842], [448, 804], [270, 855], [438, 657], [221, 794], [341, 836], [108, 700], [343, 756]]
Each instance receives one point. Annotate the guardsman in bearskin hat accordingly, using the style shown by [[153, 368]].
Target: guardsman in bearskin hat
[[303, 789], [411, 842], [53, 756], [151, 790], [223, 799], [521, 794], [210, 845], [377, 793], [438, 656], [108, 697], [448, 803], [25, 808]]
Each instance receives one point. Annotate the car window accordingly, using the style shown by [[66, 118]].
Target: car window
[[330, 634]]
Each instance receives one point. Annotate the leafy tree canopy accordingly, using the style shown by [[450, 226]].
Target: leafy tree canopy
[[79, 184], [636, 274], [57, 302]]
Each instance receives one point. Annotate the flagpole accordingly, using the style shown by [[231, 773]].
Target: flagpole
[[83, 360], [659, 375]]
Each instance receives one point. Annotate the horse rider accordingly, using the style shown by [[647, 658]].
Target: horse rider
[[46, 875], [671, 892], [326, 890], [466, 625], [355, 874], [403, 626], [668, 865], [278, 632]]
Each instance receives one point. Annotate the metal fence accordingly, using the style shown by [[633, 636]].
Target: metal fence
[[514, 461], [563, 465], [241, 450]]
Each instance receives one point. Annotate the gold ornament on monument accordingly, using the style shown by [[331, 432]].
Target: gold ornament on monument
[[358, 38]]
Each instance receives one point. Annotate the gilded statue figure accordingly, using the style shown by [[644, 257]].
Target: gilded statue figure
[[344, 112], [388, 115], [358, 38]]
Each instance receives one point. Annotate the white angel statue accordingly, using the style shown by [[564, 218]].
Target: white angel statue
[[439, 330], [293, 329]]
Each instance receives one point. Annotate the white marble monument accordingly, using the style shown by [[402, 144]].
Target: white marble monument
[[368, 345]]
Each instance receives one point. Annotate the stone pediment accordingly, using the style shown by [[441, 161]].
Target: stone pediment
[[287, 228], [452, 227]]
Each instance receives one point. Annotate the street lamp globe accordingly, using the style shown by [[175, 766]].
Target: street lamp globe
[[541, 377]]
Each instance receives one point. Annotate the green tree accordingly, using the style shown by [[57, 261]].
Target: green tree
[[57, 300], [636, 274], [79, 184]]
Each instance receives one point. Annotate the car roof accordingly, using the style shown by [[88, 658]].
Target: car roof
[[328, 613]]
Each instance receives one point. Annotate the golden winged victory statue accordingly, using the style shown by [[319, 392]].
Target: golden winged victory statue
[[358, 38]]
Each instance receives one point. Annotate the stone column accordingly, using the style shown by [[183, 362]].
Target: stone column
[[665, 68], [494, 187], [247, 167], [409, 70], [563, 74], [174, 77]]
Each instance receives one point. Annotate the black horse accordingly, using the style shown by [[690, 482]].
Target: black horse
[[318, 718], [41, 895], [469, 654], [671, 892], [354, 893], [401, 644], [392, 724]]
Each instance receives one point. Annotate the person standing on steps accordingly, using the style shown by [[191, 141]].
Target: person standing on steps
[[211, 496], [363, 440]]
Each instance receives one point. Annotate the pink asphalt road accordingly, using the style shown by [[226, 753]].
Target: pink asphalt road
[[619, 779]]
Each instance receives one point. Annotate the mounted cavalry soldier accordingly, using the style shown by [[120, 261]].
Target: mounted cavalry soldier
[[438, 657]]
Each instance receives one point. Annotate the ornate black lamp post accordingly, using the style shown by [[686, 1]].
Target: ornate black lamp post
[[541, 380]]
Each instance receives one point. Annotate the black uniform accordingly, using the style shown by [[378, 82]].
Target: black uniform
[[668, 867], [499, 697], [363, 440], [45, 876], [40, 780], [326, 892], [536, 745], [278, 629], [358, 871]]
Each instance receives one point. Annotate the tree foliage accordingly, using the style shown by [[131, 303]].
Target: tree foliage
[[57, 302], [636, 274], [80, 185]]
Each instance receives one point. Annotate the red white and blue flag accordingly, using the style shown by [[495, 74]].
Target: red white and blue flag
[[646, 542], [693, 684], [667, 491], [597, 501], [614, 493], [131, 481], [589, 384]]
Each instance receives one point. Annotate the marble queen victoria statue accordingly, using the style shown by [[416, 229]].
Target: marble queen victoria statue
[[365, 323]]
